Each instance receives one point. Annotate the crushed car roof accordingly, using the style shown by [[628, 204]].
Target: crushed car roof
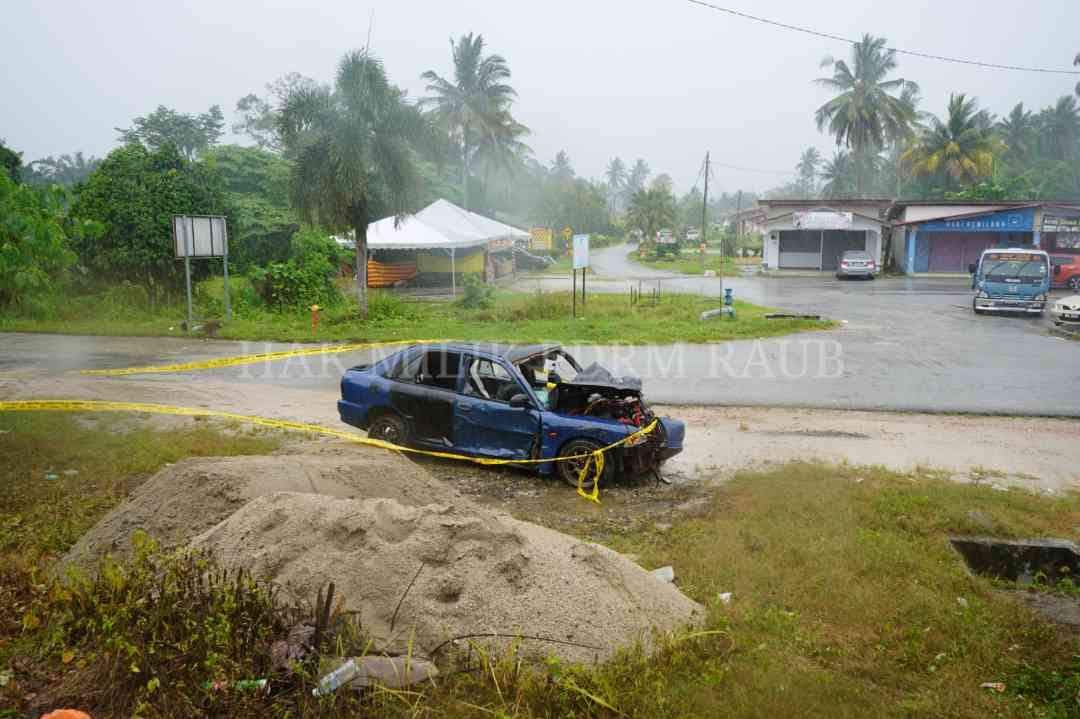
[[511, 353]]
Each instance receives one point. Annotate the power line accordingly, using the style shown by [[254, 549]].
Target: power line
[[913, 53]]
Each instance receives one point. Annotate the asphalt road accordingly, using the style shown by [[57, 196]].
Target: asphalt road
[[904, 344]]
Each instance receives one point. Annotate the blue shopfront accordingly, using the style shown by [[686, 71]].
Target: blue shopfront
[[949, 244]]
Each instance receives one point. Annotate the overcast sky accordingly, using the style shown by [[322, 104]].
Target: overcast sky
[[662, 79]]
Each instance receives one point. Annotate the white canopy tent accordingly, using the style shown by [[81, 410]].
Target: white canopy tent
[[443, 226]]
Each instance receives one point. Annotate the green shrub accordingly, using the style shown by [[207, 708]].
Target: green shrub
[[478, 294], [306, 279], [209, 296]]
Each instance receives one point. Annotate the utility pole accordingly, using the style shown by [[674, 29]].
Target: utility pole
[[704, 220]]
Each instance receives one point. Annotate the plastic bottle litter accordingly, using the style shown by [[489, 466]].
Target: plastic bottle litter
[[665, 574], [724, 597], [342, 675]]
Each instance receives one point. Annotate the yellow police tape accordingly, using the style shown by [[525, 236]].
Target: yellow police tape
[[251, 359], [594, 459]]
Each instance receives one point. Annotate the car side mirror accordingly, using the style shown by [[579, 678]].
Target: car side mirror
[[971, 268], [519, 401]]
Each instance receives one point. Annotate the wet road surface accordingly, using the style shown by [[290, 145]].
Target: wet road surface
[[910, 344]]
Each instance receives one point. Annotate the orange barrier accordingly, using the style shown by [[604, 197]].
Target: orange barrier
[[382, 274]]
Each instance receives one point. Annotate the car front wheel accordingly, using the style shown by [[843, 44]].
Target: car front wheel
[[391, 428], [570, 469]]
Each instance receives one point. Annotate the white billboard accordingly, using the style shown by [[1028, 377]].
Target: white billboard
[[822, 220], [200, 236], [581, 252]]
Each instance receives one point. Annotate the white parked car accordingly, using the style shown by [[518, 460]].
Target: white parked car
[[1067, 309]]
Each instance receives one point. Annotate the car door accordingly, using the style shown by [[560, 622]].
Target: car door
[[484, 422], [424, 393]]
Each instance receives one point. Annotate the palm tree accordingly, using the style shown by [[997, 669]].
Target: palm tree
[[650, 211], [560, 168], [639, 173], [616, 181], [839, 176], [960, 150], [870, 110], [1060, 128], [352, 152], [808, 170], [476, 103], [502, 151], [1076, 62], [1018, 133]]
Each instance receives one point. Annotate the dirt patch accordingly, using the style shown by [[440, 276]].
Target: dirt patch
[[191, 496], [483, 572]]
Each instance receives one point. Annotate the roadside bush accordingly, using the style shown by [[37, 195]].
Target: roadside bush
[[478, 294], [209, 296], [307, 278]]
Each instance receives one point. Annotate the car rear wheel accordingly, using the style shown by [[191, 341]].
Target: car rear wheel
[[391, 428], [570, 469], [1074, 283]]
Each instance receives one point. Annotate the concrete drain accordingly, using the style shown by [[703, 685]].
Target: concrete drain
[[1021, 561]]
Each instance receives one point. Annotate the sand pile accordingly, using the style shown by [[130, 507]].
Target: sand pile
[[483, 572], [193, 495]]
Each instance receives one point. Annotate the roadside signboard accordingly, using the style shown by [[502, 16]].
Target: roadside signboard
[[581, 252], [200, 236], [540, 238], [823, 220]]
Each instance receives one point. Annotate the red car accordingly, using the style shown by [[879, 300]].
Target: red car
[[1066, 271]]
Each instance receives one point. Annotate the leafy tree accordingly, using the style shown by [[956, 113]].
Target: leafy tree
[[575, 203], [616, 181], [191, 134], [34, 247], [134, 194], [651, 210], [839, 176], [256, 185], [353, 155], [10, 161], [662, 182], [959, 150], [690, 208], [64, 170], [476, 104], [639, 175], [870, 110], [259, 118]]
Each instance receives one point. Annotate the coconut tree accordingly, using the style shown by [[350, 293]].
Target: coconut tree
[[871, 108], [807, 169], [616, 181], [352, 152], [502, 150], [1017, 131], [838, 176], [475, 103], [1059, 127], [639, 173], [960, 149], [651, 210]]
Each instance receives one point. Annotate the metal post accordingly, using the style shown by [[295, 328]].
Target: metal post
[[453, 273], [225, 265], [187, 275], [583, 273], [704, 210], [573, 292]]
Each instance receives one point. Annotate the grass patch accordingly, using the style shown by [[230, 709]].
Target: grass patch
[[515, 317], [689, 263]]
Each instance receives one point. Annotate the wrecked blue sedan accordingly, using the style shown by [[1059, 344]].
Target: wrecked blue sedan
[[508, 402]]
